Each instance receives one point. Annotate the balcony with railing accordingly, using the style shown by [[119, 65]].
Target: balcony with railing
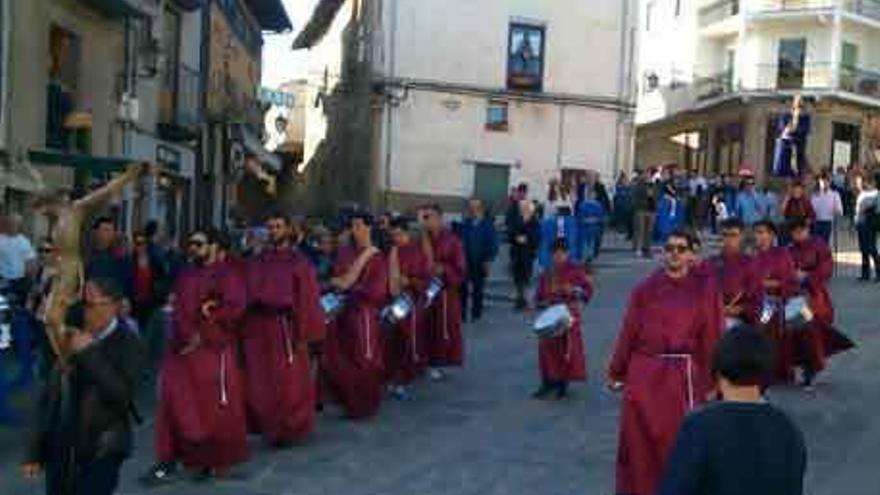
[[711, 86], [867, 8], [812, 76], [718, 11], [179, 102]]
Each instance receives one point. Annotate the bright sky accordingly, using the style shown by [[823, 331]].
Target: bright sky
[[280, 63]]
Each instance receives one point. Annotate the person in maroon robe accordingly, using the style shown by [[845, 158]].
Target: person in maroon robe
[[284, 317], [446, 256], [661, 362], [737, 280], [353, 363], [815, 266], [561, 359], [200, 416], [778, 282], [408, 273]]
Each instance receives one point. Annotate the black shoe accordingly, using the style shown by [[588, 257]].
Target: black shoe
[[520, 304], [161, 473], [542, 392], [204, 475], [562, 390]]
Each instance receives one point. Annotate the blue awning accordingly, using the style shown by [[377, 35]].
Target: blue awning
[[116, 8], [270, 14], [189, 5]]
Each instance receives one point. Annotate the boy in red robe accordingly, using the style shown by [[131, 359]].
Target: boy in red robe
[[737, 280], [661, 362], [408, 273], [561, 359], [353, 352], [284, 316], [815, 266], [778, 282], [200, 419], [446, 256]]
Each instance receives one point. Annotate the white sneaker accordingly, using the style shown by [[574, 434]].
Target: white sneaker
[[436, 375]]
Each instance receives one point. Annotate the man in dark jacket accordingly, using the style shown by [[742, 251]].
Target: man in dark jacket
[[103, 260], [83, 431], [480, 247]]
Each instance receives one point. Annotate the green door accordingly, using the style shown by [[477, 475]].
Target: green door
[[491, 183]]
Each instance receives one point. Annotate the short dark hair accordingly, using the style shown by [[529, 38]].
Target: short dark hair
[[103, 219], [433, 207], [560, 244], [108, 287], [797, 223], [278, 215], [733, 223], [684, 234], [401, 223], [223, 239], [363, 216], [767, 224], [743, 356], [151, 228]]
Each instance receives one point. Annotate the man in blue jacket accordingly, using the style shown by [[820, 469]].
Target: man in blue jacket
[[480, 247]]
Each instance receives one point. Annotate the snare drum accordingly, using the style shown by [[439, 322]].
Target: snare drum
[[400, 308], [553, 322], [5, 323], [768, 310], [797, 313], [332, 304], [731, 323], [435, 287]]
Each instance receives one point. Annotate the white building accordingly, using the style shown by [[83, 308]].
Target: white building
[[463, 98], [714, 77]]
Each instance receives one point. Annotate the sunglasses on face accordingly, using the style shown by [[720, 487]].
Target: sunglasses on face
[[730, 234], [46, 250], [676, 248], [196, 243]]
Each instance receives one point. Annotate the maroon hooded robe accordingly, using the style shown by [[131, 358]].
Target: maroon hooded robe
[[284, 314], [562, 358], [404, 345], [739, 284], [662, 357], [353, 352], [445, 341], [777, 264], [821, 339], [200, 416]]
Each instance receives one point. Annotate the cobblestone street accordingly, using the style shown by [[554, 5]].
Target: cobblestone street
[[480, 433]]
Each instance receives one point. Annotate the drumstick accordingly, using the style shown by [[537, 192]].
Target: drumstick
[[734, 301]]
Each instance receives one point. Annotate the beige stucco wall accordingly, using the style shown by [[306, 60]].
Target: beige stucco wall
[[441, 137], [466, 41], [101, 63], [437, 135]]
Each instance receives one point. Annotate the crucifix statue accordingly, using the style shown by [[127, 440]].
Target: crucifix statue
[[69, 217]]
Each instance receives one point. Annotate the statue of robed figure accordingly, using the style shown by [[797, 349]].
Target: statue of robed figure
[[789, 157]]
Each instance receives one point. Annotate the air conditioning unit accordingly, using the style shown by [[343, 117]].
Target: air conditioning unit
[[129, 108]]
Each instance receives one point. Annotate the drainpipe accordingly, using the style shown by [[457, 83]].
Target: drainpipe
[[560, 137], [622, 92], [390, 102]]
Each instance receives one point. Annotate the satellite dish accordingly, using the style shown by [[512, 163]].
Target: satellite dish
[[276, 123]]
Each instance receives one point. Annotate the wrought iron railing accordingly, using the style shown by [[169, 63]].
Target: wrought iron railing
[[718, 11], [714, 85], [867, 8]]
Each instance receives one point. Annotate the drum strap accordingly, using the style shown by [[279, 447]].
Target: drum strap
[[445, 322], [224, 398], [288, 343], [689, 374], [415, 336], [366, 316]]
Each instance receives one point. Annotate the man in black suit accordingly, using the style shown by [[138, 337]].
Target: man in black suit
[[82, 429]]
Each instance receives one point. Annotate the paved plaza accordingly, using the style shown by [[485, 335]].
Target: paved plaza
[[480, 433]]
